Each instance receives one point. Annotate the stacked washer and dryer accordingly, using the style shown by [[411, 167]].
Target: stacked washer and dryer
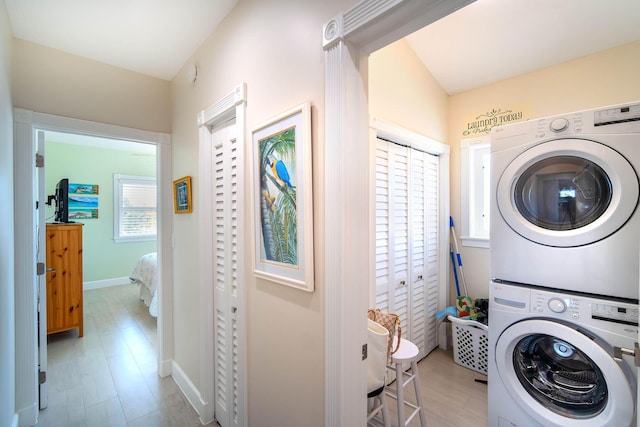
[[565, 263]]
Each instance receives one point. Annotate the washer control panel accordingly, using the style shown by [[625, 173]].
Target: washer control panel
[[583, 308], [558, 305]]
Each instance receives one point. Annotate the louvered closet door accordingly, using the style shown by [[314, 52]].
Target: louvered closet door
[[424, 261], [225, 178], [406, 255], [392, 228]]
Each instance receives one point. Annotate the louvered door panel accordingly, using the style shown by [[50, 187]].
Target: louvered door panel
[[432, 261], [233, 222], [399, 225], [406, 239], [417, 217], [226, 238], [382, 259]]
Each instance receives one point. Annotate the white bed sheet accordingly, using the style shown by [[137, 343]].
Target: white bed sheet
[[145, 274]]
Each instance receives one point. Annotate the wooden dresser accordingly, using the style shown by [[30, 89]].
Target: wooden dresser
[[64, 277]]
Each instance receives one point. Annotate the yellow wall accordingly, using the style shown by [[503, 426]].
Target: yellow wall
[[403, 92], [49, 81], [605, 78]]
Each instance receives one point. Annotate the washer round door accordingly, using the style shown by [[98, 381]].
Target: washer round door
[[560, 377], [567, 193]]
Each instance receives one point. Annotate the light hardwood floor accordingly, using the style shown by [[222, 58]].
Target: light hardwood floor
[[109, 377], [451, 395]]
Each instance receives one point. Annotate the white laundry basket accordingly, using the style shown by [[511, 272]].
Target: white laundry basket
[[470, 344]]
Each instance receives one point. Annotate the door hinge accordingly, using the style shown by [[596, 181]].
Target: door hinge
[[364, 351], [618, 352], [39, 160], [42, 376], [40, 270]]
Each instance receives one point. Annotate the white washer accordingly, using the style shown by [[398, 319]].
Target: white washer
[[552, 359], [564, 201]]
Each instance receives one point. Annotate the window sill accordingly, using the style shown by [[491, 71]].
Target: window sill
[[476, 242], [134, 239]]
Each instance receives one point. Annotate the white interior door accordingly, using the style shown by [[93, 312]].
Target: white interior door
[[41, 259], [424, 240], [226, 272], [407, 239]]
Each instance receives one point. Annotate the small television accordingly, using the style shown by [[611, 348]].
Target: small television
[[62, 201]]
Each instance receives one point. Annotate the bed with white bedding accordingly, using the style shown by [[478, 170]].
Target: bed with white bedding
[[145, 274]]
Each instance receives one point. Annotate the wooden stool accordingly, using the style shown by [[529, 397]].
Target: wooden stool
[[407, 353]]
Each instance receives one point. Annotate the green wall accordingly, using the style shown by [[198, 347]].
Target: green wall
[[102, 257]]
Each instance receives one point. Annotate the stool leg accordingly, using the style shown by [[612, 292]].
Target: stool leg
[[385, 410], [400, 395], [419, 401]]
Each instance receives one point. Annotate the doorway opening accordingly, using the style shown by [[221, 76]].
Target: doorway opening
[[28, 125]]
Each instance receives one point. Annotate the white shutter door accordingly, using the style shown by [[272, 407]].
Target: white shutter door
[[225, 199], [399, 229], [424, 250], [406, 242], [417, 240], [382, 260]]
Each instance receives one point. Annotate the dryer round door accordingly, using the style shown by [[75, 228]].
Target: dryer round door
[[560, 377], [567, 193]]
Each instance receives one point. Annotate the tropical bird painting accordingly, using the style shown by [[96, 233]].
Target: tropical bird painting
[[278, 197], [279, 170]]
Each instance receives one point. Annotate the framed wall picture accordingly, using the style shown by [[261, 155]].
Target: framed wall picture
[[283, 199], [83, 201], [182, 195]]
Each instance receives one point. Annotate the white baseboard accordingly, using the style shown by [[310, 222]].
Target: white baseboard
[[165, 368], [27, 416], [14, 422], [191, 393], [106, 283]]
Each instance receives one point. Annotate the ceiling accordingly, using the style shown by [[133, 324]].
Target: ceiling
[[492, 40], [485, 42], [153, 37]]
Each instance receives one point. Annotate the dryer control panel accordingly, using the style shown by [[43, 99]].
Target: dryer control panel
[[609, 116], [617, 313]]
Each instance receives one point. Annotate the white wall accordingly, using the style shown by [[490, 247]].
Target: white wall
[[276, 48], [7, 320]]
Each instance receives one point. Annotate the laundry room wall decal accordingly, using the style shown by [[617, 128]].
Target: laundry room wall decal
[[483, 123]]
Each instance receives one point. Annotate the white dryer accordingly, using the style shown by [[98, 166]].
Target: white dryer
[[564, 202], [556, 359]]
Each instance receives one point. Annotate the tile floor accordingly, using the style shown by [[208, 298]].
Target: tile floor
[[109, 377]]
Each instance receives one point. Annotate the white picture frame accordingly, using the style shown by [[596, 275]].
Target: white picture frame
[[283, 199]]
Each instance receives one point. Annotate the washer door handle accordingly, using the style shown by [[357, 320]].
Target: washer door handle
[[618, 352]]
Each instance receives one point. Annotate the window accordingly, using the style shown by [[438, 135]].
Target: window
[[135, 216], [475, 190]]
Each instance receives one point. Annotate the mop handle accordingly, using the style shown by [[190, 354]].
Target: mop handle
[[455, 246]]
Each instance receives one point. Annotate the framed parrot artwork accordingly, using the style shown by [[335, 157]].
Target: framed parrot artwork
[[283, 199]]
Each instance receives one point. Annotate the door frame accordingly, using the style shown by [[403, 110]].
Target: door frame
[[26, 124], [348, 40], [233, 105]]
